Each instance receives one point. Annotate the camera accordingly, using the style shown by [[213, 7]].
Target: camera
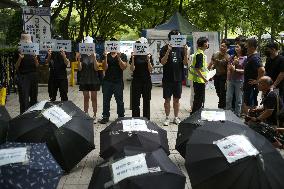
[[251, 114]]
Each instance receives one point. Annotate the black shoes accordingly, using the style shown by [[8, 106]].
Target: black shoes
[[104, 120]]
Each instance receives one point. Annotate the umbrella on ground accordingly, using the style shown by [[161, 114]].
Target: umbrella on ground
[[216, 157], [187, 126], [28, 165], [4, 122], [134, 170], [67, 131], [137, 132]]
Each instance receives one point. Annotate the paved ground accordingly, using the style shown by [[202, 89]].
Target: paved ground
[[80, 176]]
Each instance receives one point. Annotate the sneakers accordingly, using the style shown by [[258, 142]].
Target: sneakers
[[104, 120], [95, 119], [176, 120], [167, 121]]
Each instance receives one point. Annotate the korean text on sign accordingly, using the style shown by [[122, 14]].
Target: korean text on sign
[[29, 48], [112, 46], [140, 49], [87, 48], [178, 40]]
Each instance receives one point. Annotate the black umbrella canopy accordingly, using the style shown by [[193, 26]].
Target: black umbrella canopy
[[120, 133], [149, 170], [207, 166], [47, 123], [4, 122], [37, 169], [187, 126]]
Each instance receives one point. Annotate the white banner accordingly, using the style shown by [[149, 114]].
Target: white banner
[[63, 44], [128, 167], [178, 40], [13, 155], [37, 107], [140, 49], [211, 74], [236, 147], [37, 22], [29, 48], [87, 48], [46, 44], [57, 116], [213, 115], [112, 46]]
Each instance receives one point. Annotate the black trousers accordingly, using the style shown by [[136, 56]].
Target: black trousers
[[141, 88], [28, 90], [220, 86], [199, 96], [54, 85]]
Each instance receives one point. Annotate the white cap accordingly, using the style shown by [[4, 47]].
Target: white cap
[[143, 40], [88, 39]]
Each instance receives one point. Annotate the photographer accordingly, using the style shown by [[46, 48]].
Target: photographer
[[271, 105]]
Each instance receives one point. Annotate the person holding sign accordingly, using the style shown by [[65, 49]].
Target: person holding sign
[[26, 66], [173, 60], [113, 64], [89, 80], [57, 62], [141, 66], [198, 72]]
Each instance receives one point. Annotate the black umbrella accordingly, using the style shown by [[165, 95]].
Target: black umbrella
[[149, 171], [207, 167], [39, 169], [4, 122], [115, 137], [187, 126], [68, 143]]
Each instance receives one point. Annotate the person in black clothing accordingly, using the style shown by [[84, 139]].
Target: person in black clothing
[[268, 112], [26, 67], [141, 65], [173, 60], [274, 67], [57, 62], [253, 70], [113, 64]]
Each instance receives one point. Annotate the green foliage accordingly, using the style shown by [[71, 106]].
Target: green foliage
[[15, 28]]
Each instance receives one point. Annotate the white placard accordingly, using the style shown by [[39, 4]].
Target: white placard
[[37, 107], [178, 40], [213, 115], [112, 46], [63, 44], [29, 48], [134, 125], [140, 49], [46, 44], [236, 147], [87, 48], [128, 167], [210, 74], [56, 115], [13, 155]]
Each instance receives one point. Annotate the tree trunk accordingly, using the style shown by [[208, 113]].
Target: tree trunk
[[226, 30], [82, 22], [166, 11], [47, 3], [32, 3], [180, 6], [58, 10], [65, 22]]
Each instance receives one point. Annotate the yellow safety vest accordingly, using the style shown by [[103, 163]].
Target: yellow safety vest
[[193, 75]]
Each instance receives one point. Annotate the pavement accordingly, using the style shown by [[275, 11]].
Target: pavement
[[80, 176]]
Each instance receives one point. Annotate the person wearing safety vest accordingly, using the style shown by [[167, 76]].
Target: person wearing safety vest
[[198, 72]]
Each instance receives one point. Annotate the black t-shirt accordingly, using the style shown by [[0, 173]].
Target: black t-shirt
[[27, 64], [251, 66], [57, 67], [274, 66], [173, 69], [114, 73], [141, 72], [269, 102]]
